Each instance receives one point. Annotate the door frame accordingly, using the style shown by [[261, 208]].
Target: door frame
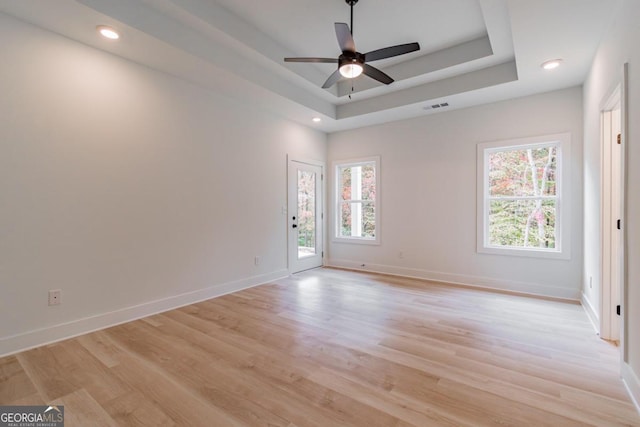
[[624, 291], [320, 199]]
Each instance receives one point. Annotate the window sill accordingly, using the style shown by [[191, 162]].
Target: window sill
[[355, 240], [524, 252]]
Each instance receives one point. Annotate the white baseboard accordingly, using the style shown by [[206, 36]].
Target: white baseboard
[[592, 314], [632, 384], [524, 288], [24, 341]]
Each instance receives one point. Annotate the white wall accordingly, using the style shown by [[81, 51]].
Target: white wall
[[428, 190], [129, 189], [618, 47]]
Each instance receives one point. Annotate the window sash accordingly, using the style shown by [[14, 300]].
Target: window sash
[[339, 169], [556, 229], [361, 223], [561, 200]]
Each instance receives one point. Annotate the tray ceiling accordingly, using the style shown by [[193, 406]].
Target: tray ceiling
[[472, 51]]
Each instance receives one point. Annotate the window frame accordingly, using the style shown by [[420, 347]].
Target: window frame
[[562, 248], [336, 166]]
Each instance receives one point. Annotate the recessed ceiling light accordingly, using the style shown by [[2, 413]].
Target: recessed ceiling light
[[316, 119], [552, 64], [108, 32]]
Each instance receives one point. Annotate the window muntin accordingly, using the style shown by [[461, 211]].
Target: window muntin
[[357, 188], [521, 203]]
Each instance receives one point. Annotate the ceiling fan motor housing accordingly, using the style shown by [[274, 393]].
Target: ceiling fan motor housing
[[348, 57]]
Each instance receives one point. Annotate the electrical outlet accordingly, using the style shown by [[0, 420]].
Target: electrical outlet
[[257, 260], [54, 296]]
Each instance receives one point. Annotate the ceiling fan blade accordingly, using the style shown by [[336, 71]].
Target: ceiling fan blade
[[345, 40], [333, 78], [323, 60], [376, 74], [391, 51]]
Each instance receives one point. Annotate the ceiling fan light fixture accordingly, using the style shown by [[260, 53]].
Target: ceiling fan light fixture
[[351, 70]]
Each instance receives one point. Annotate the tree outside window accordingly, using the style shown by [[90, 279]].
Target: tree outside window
[[306, 213], [523, 197]]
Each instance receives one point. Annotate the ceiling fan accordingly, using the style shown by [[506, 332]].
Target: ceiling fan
[[353, 63]]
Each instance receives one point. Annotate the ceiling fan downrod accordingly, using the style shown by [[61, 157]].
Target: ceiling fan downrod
[[351, 3]]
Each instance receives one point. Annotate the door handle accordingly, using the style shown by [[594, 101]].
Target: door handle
[[294, 226]]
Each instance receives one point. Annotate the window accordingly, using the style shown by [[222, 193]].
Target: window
[[357, 194], [522, 197]]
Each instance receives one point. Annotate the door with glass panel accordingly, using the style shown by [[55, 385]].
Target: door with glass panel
[[304, 215]]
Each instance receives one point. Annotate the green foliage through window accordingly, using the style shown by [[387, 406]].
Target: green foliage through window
[[522, 197], [306, 213], [357, 200]]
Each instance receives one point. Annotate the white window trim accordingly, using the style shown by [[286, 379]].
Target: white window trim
[[336, 201], [563, 188]]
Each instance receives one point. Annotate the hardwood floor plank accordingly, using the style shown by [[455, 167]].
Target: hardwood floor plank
[[15, 382], [32, 399], [101, 347], [270, 375], [335, 348], [134, 409], [80, 409], [89, 374], [48, 368], [468, 342], [417, 415], [505, 411], [189, 369], [182, 405]]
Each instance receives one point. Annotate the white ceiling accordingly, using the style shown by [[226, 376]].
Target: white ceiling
[[472, 51]]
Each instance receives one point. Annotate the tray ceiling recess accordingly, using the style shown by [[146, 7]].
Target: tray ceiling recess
[[471, 51]]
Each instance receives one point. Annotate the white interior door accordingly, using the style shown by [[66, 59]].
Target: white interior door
[[616, 215], [612, 203], [304, 217]]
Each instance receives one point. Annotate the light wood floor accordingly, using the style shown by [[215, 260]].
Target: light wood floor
[[335, 348]]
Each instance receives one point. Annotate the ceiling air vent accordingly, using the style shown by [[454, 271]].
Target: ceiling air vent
[[434, 106]]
